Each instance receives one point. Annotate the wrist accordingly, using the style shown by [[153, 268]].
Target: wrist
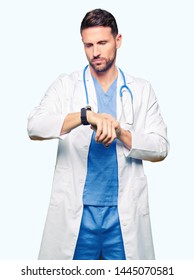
[[118, 132], [83, 115], [125, 137]]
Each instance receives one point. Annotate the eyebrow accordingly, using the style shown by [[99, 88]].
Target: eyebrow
[[99, 42]]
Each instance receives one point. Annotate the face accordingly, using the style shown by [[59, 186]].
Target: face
[[100, 47]]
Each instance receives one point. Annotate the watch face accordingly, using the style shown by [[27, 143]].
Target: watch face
[[88, 107]]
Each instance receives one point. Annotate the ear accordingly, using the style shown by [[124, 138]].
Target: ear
[[118, 41]]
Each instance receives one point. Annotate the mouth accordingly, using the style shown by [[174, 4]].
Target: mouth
[[97, 60]]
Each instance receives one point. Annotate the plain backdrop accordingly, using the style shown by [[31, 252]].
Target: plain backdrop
[[40, 39]]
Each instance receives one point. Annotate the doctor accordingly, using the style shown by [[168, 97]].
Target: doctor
[[99, 202]]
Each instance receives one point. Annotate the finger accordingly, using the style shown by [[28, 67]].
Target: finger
[[114, 135], [104, 133], [99, 129], [109, 133], [112, 138]]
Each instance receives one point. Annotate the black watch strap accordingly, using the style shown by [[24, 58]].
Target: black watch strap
[[84, 115]]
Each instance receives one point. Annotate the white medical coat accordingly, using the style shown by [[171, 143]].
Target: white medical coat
[[149, 142]]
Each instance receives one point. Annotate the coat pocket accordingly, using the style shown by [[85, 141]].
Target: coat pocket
[[140, 194], [62, 185]]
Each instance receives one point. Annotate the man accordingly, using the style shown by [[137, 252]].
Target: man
[[99, 202]]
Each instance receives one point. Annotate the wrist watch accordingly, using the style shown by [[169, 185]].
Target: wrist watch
[[84, 114]]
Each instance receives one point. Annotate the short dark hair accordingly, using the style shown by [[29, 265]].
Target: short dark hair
[[99, 17]]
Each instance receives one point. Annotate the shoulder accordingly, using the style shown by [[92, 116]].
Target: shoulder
[[72, 77], [65, 80], [140, 86], [136, 80]]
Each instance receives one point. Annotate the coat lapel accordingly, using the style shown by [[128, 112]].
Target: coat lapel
[[90, 89]]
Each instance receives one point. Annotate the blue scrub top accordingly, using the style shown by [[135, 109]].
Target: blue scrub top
[[101, 186]]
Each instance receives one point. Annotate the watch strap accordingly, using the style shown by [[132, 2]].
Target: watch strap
[[84, 115]]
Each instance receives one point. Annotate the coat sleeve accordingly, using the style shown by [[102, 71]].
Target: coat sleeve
[[149, 133], [46, 120]]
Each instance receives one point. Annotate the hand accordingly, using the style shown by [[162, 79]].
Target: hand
[[106, 127]]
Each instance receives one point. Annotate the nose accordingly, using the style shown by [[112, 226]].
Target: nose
[[96, 51]]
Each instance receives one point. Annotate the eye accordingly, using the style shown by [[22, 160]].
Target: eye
[[102, 42], [88, 45]]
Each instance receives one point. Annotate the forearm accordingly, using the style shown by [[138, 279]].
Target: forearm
[[148, 146], [42, 126], [71, 121], [125, 137]]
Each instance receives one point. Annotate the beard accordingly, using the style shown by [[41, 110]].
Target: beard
[[104, 65]]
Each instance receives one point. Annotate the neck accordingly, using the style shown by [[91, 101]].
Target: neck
[[105, 79]]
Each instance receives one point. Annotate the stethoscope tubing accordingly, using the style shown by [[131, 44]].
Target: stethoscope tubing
[[124, 86]]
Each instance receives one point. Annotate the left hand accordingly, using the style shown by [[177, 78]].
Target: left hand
[[106, 127]]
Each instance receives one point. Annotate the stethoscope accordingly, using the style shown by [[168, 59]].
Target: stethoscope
[[123, 87]]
